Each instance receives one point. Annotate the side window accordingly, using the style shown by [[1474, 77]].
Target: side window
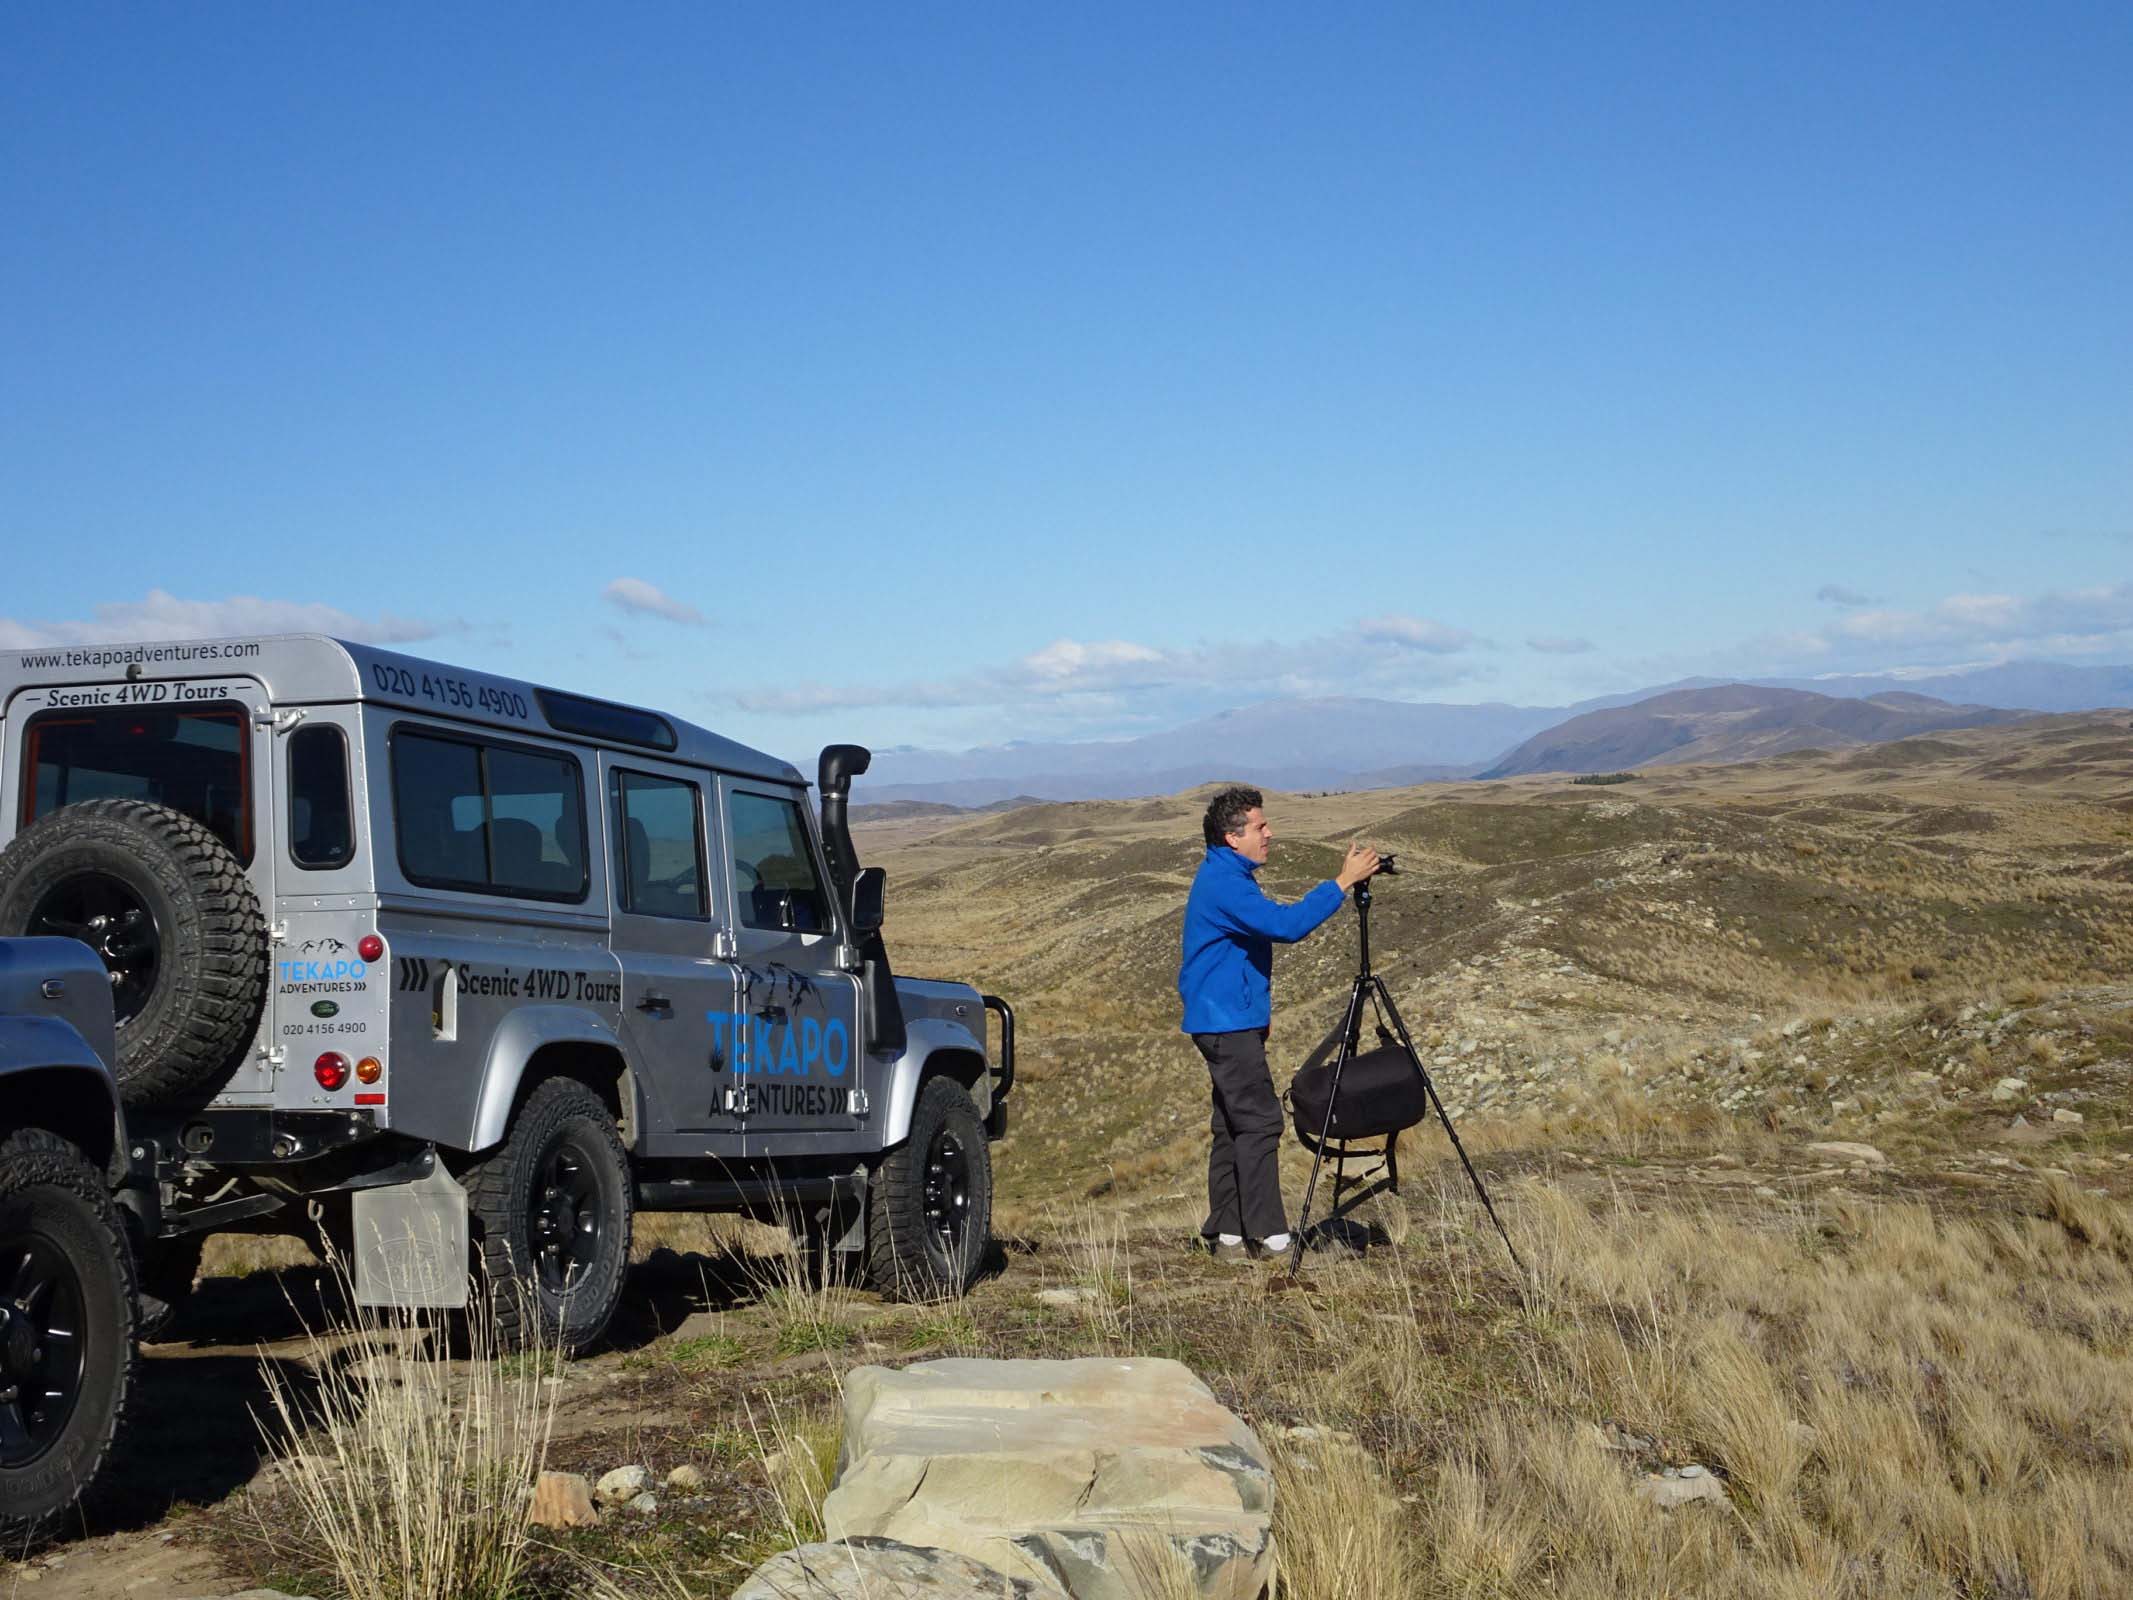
[[774, 879], [491, 818], [321, 830], [659, 845]]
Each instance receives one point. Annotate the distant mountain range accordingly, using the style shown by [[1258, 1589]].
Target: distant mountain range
[[1354, 743], [1734, 722], [1283, 744]]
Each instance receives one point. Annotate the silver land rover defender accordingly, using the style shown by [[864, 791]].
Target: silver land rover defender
[[448, 967]]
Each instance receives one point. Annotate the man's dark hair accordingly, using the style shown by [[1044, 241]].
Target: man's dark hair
[[1227, 811]]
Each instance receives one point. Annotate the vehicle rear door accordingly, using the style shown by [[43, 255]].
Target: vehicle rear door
[[201, 746], [678, 993], [799, 1046]]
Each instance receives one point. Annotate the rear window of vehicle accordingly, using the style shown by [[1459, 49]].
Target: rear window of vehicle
[[196, 761], [489, 818]]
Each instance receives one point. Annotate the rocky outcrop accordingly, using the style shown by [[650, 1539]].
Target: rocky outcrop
[[1110, 1479], [869, 1569]]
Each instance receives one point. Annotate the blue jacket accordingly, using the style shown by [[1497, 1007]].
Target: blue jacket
[[1230, 931]]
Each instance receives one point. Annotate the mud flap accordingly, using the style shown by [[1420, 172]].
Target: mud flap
[[411, 1243], [848, 1204]]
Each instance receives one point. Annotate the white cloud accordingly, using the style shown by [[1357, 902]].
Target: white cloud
[[649, 600], [1555, 644], [1955, 633], [1111, 678], [2001, 622], [1419, 633], [1837, 594], [162, 615], [1068, 658]]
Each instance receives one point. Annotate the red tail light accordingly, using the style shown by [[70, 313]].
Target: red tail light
[[370, 947], [331, 1070]]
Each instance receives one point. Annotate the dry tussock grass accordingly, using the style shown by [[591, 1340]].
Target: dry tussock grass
[[408, 1470], [1897, 1403], [797, 1454], [1339, 1533], [1093, 1246]]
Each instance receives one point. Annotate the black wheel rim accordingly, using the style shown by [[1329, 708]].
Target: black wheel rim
[[947, 1194], [41, 1338], [111, 918], [566, 1218]]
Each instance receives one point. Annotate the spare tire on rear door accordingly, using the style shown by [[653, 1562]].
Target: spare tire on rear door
[[166, 905]]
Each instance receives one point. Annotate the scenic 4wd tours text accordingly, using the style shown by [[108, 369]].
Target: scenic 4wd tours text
[[137, 694], [529, 983]]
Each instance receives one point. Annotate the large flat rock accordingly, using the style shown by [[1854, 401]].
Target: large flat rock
[[877, 1569], [1093, 1475]]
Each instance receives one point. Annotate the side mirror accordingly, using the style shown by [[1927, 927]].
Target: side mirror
[[869, 900]]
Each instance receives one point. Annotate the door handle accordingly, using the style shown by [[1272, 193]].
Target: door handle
[[655, 1002]]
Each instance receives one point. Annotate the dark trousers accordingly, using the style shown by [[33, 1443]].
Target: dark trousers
[[1243, 1170]]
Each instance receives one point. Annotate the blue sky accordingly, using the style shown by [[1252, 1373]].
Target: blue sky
[[957, 374]]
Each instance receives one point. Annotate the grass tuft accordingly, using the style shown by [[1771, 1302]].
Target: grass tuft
[[406, 1474]]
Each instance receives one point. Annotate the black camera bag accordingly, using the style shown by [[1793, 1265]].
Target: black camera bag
[[1381, 1092]]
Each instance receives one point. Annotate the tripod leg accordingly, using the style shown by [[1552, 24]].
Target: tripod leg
[[1349, 1027], [1429, 1088]]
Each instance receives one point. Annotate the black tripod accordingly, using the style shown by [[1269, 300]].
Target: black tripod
[[1368, 985]]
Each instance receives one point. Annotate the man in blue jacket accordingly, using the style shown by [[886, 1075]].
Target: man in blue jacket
[[1225, 981]]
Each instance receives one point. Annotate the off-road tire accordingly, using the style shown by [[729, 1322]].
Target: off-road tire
[[507, 1190], [165, 1270], [202, 1009], [57, 1216], [910, 1195]]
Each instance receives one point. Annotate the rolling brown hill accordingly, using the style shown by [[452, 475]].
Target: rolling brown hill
[[1535, 920], [1734, 722]]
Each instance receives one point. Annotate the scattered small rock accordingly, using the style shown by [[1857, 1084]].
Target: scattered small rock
[[1307, 1433], [643, 1504], [1846, 1150], [562, 1500], [2009, 1089], [1068, 1296], [1671, 1490], [686, 1479], [622, 1485], [1613, 1436], [2064, 1115], [280, 1475]]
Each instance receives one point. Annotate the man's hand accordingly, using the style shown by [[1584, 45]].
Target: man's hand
[[1361, 863]]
